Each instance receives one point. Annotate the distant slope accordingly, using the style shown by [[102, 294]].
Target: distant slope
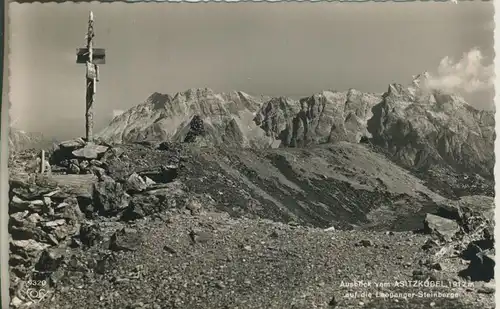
[[343, 184], [21, 140], [227, 118]]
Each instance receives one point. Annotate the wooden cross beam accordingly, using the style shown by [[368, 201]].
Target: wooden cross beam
[[98, 55], [91, 57]]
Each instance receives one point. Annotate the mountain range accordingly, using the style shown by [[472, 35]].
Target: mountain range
[[22, 140], [416, 127]]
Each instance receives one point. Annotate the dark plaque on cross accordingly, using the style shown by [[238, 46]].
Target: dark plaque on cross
[[98, 55], [91, 57]]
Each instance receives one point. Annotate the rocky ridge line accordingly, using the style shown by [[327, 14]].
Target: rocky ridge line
[[416, 127]]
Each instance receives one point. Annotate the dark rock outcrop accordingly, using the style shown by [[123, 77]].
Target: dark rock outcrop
[[322, 118], [420, 130], [110, 197]]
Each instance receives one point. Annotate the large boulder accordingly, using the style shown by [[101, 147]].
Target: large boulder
[[472, 213], [63, 151], [440, 226], [90, 152], [110, 197], [72, 144], [481, 266]]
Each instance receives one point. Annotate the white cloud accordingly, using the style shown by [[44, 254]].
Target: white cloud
[[469, 74]]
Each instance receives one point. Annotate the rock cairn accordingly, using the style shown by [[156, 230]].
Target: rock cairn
[[91, 192]]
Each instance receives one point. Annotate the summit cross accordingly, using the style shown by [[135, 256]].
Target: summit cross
[[91, 57]]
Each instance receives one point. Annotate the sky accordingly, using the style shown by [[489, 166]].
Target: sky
[[275, 49]]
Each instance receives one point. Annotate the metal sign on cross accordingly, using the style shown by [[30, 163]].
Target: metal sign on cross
[[91, 57]]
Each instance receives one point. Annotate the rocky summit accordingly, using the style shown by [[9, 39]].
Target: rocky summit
[[326, 117], [226, 117], [206, 200], [434, 128]]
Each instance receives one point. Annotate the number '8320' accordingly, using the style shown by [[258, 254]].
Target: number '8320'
[[36, 283]]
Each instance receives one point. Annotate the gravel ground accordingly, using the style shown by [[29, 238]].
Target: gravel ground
[[191, 249], [214, 261]]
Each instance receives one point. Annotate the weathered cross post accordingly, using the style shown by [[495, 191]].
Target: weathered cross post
[[42, 168], [91, 57]]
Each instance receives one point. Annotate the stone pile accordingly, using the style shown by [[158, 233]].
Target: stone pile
[[42, 218], [88, 187], [464, 229], [78, 157]]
